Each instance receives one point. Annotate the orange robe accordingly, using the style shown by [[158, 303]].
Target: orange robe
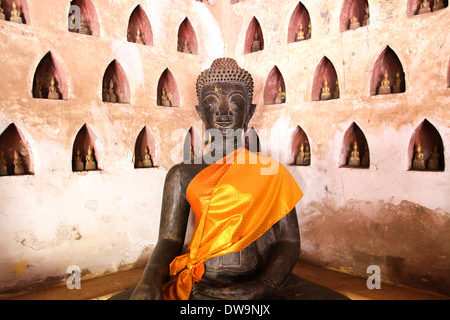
[[235, 202]]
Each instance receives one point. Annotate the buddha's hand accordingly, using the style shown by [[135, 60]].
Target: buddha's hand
[[247, 290], [147, 292]]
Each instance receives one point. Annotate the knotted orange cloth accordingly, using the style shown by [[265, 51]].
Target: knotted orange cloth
[[235, 202]]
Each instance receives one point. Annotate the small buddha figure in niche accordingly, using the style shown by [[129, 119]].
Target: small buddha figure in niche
[[300, 34], [336, 91], [52, 90], [129, 35], [105, 91], [78, 164], [2, 12], [15, 14], [325, 95], [308, 34], [418, 161], [354, 23], [256, 45], [438, 4], [111, 97], [84, 29], [304, 156], [424, 7], [366, 157], [398, 82], [147, 159], [165, 101], [18, 164], [385, 86], [354, 160], [3, 167], [366, 19], [138, 38], [186, 48], [37, 93], [433, 163], [90, 160], [281, 96]]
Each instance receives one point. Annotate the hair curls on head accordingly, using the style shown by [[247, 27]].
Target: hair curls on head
[[225, 70]]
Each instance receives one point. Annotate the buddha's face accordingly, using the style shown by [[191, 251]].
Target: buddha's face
[[224, 106]]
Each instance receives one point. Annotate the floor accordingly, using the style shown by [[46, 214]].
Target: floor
[[353, 287]]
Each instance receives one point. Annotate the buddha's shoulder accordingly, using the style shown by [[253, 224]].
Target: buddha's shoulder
[[184, 172]]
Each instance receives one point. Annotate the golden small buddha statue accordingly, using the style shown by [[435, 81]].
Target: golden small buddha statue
[[366, 17], [138, 38], [37, 93], [165, 101], [336, 91], [354, 160], [419, 161], [78, 164], [72, 27], [438, 4], [424, 7], [366, 157], [304, 156], [15, 14], [300, 34], [111, 95], [3, 167], [433, 163], [147, 159], [385, 86], [129, 35], [52, 90], [325, 95], [281, 96], [186, 48], [18, 164], [90, 160], [354, 23], [308, 34], [105, 91], [83, 27], [398, 83], [256, 45], [2, 12]]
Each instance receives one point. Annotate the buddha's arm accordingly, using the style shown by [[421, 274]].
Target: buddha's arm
[[174, 217]]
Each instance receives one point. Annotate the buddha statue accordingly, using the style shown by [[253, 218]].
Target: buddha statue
[[256, 44], [325, 95], [84, 29], [129, 35], [78, 164], [2, 12], [3, 166], [18, 164], [304, 156], [281, 96], [247, 258], [147, 159], [433, 163], [300, 34], [438, 4], [366, 19], [354, 23], [15, 14], [385, 86], [424, 7], [138, 38], [418, 161], [91, 163], [354, 160], [105, 96], [52, 90], [165, 101], [396, 88], [336, 91], [308, 34], [72, 26], [186, 48], [37, 91], [111, 97], [365, 161]]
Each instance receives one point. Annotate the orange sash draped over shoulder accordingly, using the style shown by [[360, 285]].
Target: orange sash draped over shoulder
[[235, 202]]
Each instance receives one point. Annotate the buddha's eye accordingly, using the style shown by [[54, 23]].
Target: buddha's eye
[[237, 101], [210, 102]]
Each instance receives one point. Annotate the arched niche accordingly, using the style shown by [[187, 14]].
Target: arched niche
[[192, 147], [354, 155], [22, 11], [354, 14], [85, 153], [387, 67], [116, 88], [167, 91], [301, 149], [252, 141], [49, 80], [139, 27], [254, 39], [15, 155], [187, 39], [88, 20], [275, 89], [299, 25], [427, 141], [325, 83], [416, 7], [145, 155]]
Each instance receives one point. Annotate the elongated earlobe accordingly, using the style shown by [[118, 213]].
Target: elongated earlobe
[[200, 113]]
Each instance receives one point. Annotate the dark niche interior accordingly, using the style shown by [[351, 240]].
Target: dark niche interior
[[418, 7], [252, 142], [355, 150], [139, 28], [145, 150], [84, 153], [15, 11], [299, 25], [301, 149], [167, 91], [115, 84], [49, 80], [275, 89], [325, 83], [192, 146], [88, 20], [254, 39], [354, 14], [187, 39], [426, 149], [387, 74], [15, 155]]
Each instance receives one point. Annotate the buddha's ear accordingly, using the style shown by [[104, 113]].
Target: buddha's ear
[[251, 111], [200, 113]]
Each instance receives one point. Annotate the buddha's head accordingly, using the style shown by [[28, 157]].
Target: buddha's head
[[225, 93]]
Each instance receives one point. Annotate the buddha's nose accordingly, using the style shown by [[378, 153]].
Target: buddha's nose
[[224, 108]]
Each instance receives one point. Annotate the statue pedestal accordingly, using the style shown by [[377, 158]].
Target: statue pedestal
[[147, 163], [433, 164], [256, 46], [384, 90], [354, 162], [16, 19], [419, 164], [90, 165]]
